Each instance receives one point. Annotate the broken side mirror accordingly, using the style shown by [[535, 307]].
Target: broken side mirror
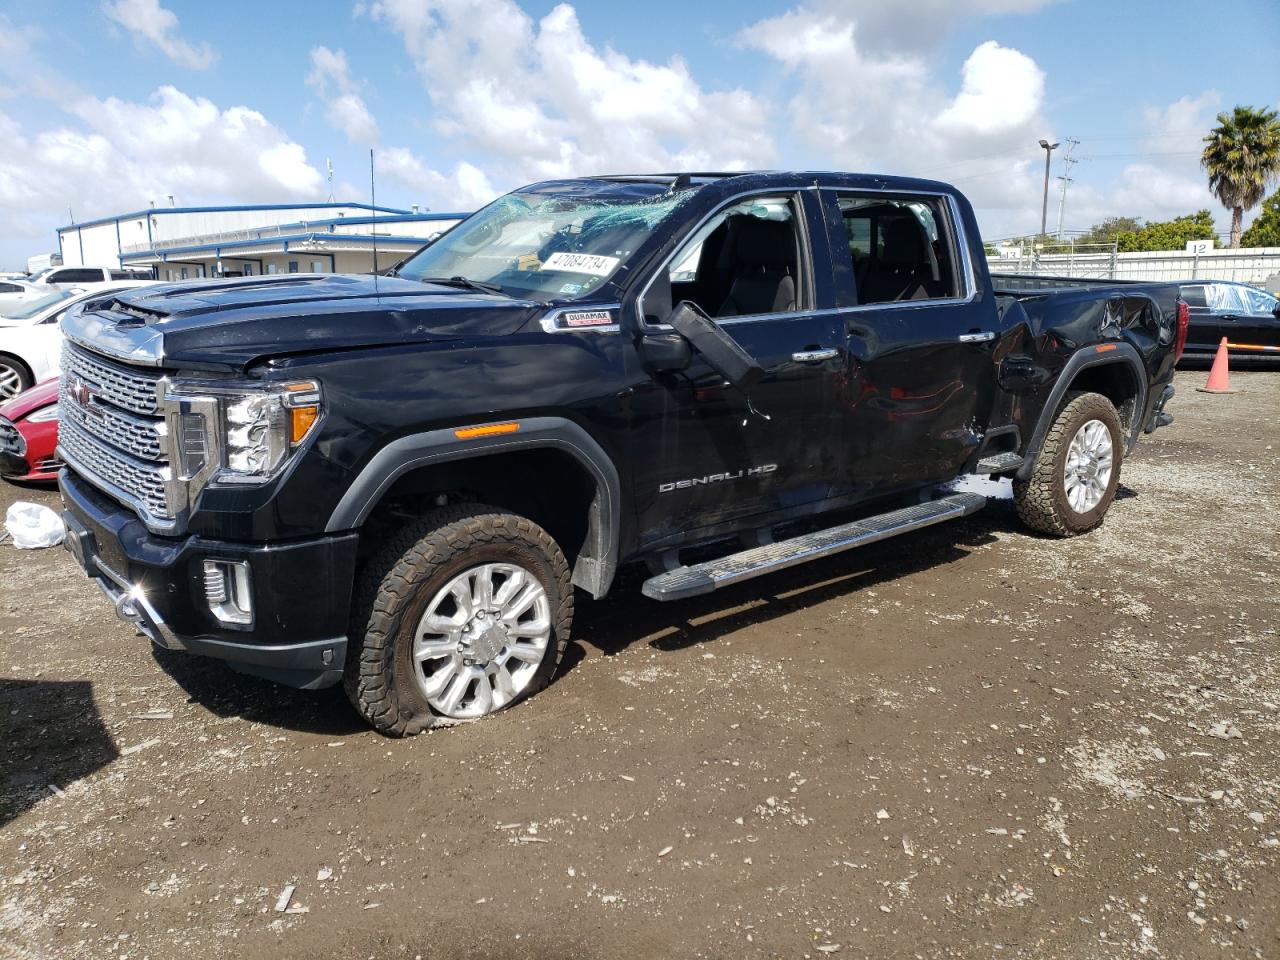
[[665, 352], [719, 349]]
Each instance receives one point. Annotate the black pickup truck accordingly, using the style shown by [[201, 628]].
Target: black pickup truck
[[399, 481]]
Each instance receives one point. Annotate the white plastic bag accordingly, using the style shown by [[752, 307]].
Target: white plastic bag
[[33, 525]]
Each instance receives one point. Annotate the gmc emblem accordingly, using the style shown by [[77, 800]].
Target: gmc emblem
[[80, 392]]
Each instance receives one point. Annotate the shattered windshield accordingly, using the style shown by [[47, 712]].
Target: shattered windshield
[[544, 246]]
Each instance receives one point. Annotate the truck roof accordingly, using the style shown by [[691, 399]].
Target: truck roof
[[648, 184]]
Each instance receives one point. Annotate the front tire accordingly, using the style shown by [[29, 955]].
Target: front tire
[[14, 377], [1077, 471], [460, 615]]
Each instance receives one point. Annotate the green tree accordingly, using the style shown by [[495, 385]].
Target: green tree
[[1265, 231], [1168, 234], [1242, 156], [1110, 229]]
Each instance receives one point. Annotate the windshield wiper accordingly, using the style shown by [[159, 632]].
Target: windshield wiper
[[466, 283]]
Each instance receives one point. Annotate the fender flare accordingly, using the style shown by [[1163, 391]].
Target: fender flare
[[595, 566], [1118, 352]]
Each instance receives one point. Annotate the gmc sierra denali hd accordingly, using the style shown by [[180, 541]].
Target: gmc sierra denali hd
[[399, 481]]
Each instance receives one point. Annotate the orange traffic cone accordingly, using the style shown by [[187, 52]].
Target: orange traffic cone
[[1219, 377]]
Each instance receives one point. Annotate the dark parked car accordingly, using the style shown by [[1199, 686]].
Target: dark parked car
[[398, 482], [1245, 315]]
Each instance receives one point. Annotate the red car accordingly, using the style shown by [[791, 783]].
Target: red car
[[29, 434]]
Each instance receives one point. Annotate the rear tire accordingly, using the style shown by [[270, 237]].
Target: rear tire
[[427, 650], [1067, 493]]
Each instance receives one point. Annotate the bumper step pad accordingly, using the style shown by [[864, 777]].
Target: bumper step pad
[[705, 577], [998, 463]]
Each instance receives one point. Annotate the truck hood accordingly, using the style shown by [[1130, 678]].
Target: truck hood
[[232, 323]]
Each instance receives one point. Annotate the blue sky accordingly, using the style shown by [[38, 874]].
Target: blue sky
[[104, 106]]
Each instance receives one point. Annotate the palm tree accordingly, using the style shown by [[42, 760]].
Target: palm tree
[[1242, 155]]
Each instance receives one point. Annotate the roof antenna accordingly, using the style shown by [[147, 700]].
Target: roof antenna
[[373, 204]]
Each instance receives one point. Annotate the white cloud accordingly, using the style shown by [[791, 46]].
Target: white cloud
[[537, 99], [868, 97], [1002, 90], [466, 188], [123, 154], [151, 23], [345, 108]]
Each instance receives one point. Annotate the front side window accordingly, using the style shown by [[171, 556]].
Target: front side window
[[899, 249], [1260, 303], [545, 245], [746, 260]]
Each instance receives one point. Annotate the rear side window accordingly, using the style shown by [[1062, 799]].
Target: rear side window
[[1195, 296], [75, 275], [10, 288], [1224, 298], [900, 249]]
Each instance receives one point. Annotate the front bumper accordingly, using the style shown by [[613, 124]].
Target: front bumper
[[301, 590]]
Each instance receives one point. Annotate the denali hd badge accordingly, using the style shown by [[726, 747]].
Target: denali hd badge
[[717, 478]]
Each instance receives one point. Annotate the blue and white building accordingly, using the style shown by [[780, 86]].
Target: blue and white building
[[184, 242]]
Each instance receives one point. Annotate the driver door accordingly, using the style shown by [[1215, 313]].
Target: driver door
[[709, 456]]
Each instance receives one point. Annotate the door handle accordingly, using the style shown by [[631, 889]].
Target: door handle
[[982, 337], [813, 356]]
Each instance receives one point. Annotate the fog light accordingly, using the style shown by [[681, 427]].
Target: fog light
[[228, 589]]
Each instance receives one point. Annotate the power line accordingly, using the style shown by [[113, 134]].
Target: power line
[[1068, 161]]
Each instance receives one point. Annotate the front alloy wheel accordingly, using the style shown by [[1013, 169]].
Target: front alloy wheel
[[460, 614], [13, 379], [482, 639]]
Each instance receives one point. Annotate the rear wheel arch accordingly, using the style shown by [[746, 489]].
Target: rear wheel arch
[[1116, 371]]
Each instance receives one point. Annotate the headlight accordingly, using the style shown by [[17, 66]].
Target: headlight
[[255, 427], [260, 429], [44, 415]]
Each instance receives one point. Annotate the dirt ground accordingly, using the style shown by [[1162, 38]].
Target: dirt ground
[[969, 742]]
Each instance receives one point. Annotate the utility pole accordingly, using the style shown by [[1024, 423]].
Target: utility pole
[[1067, 161], [1044, 206]]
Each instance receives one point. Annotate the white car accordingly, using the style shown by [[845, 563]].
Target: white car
[[64, 278], [31, 340], [16, 293]]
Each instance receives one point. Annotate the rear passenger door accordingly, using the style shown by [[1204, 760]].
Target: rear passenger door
[[920, 344]]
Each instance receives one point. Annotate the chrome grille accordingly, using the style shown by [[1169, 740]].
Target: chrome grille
[[140, 481], [135, 436], [124, 387], [111, 431]]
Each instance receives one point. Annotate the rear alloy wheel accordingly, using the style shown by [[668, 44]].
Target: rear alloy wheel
[[14, 378], [1075, 476], [1087, 473]]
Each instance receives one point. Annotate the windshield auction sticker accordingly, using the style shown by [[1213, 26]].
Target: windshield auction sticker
[[590, 263]]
